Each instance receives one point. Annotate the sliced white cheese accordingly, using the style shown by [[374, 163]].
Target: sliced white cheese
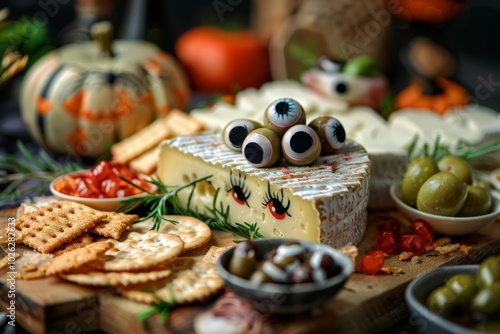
[[326, 202]]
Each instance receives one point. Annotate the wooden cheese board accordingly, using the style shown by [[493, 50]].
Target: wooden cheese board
[[367, 303]]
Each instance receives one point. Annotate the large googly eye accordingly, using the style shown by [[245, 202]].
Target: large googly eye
[[301, 145], [340, 88], [261, 147], [331, 133], [235, 132], [283, 114]]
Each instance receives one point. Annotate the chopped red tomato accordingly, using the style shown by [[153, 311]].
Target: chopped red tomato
[[103, 181]]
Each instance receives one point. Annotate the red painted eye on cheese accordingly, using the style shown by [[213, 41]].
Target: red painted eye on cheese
[[301, 145], [331, 133], [274, 201], [235, 132], [282, 114], [237, 188], [261, 147]]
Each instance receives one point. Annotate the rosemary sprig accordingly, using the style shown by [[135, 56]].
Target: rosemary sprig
[[158, 204], [437, 150], [29, 175], [168, 202], [162, 307]]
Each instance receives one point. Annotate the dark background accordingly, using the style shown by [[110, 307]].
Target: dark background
[[473, 38]]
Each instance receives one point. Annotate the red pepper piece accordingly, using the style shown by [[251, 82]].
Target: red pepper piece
[[390, 225], [424, 230], [372, 262], [414, 243], [386, 242]]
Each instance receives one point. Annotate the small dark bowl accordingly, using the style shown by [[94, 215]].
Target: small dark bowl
[[417, 292], [275, 298]]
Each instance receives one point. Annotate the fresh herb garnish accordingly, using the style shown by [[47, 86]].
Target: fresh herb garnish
[[437, 150], [30, 175], [162, 307], [159, 204], [167, 202]]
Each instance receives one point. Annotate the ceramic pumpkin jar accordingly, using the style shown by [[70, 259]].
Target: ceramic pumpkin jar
[[81, 98]]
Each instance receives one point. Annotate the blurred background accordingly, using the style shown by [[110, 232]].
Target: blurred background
[[468, 29]]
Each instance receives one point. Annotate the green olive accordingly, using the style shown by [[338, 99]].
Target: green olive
[[442, 301], [244, 260], [417, 172], [477, 202], [442, 194], [487, 300], [489, 271], [458, 166], [463, 287]]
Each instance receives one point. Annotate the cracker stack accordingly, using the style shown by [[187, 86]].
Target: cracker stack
[[141, 264], [141, 149]]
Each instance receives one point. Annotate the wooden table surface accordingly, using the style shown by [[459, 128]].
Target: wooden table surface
[[367, 303]]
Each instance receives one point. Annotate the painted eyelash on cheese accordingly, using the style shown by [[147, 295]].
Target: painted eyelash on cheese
[[238, 189], [274, 202]]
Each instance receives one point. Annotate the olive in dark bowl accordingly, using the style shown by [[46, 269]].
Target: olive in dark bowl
[[438, 310], [281, 298]]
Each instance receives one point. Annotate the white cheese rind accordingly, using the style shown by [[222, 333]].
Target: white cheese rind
[[327, 201]]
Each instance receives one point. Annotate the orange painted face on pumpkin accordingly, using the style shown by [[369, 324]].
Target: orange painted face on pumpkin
[[75, 102]]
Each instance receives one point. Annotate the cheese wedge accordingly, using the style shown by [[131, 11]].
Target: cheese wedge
[[325, 203]]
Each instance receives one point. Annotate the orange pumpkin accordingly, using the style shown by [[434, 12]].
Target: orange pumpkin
[[413, 96], [76, 101]]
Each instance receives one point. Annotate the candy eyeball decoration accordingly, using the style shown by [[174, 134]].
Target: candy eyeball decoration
[[301, 145], [284, 133], [331, 133], [282, 114], [235, 132], [261, 147]]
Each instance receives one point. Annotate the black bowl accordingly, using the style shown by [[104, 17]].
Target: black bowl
[[275, 298], [418, 290]]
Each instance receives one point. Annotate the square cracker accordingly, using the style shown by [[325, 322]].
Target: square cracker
[[57, 223], [141, 141], [114, 224], [81, 241], [77, 257], [146, 163]]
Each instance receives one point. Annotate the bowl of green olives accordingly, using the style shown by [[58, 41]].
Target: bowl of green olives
[[457, 299], [446, 193], [284, 276], [447, 225]]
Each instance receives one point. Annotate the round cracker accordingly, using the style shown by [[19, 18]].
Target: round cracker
[[191, 280], [88, 276], [140, 251], [191, 230], [75, 258]]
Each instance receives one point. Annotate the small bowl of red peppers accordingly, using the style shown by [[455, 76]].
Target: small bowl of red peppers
[[103, 187], [284, 276]]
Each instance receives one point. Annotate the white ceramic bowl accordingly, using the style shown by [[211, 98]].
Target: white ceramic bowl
[[447, 225], [103, 204], [495, 178]]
